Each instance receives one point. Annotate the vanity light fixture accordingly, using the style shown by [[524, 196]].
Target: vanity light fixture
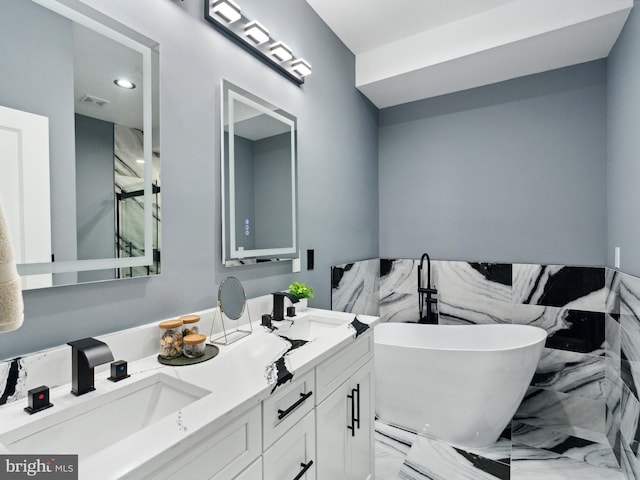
[[301, 67], [226, 16], [227, 9], [124, 83], [256, 32], [281, 52]]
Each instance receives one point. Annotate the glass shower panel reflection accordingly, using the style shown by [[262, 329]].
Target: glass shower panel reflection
[[130, 228]]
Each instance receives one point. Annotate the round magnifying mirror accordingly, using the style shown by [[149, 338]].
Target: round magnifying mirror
[[231, 298]]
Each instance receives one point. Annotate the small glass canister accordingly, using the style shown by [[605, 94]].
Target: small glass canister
[[171, 339], [194, 345], [190, 324]]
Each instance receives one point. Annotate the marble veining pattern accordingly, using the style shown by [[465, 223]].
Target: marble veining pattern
[[473, 282], [355, 287], [522, 452], [577, 288], [399, 290], [573, 414], [571, 372]]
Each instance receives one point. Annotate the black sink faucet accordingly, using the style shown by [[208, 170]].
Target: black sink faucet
[[86, 354], [278, 303]]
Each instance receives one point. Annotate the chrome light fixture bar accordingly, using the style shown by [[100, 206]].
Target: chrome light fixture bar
[[226, 16]]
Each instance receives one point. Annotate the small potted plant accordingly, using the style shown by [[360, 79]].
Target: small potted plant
[[303, 293]]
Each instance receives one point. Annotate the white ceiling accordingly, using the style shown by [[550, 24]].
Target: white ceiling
[[407, 50]]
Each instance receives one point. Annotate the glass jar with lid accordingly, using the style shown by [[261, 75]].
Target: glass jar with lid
[[194, 345], [190, 324], [171, 339]]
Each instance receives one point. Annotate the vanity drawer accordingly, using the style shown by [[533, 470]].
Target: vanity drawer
[[293, 455], [286, 406], [220, 456], [333, 372], [254, 472]]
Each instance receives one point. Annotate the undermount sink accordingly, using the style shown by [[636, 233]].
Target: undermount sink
[[102, 421], [312, 326]]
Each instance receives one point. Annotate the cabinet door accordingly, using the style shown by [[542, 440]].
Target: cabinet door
[[333, 416], [254, 472], [362, 446], [292, 456]]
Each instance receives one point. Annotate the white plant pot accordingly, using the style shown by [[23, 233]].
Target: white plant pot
[[302, 305]]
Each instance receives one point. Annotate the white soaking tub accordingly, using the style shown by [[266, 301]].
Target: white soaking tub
[[461, 384]]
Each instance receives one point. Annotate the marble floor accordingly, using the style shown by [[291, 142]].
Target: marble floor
[[523, 452]]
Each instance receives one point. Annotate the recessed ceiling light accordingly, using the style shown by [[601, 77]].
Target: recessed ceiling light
[[139, 160], [281, 51], [301, 67], [227, 9], [124, 83], [256, 32]]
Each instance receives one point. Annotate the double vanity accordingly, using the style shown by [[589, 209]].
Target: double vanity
[[263, 408]]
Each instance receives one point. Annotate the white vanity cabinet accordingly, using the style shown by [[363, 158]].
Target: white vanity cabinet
[[318, 426], [218, 454], [344, 415]]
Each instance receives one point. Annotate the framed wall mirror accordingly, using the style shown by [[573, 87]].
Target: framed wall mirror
[[79, 144], [259, 180]]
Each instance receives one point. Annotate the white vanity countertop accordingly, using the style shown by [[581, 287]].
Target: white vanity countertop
[[236, 378]]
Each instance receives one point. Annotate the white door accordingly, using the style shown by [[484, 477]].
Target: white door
[[333, 417], [24, 188], [362, 446]]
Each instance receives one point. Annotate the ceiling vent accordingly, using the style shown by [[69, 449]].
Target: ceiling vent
[[93, 100]]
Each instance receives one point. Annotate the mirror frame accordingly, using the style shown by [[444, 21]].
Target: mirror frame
[[100, 23], [238, 256]]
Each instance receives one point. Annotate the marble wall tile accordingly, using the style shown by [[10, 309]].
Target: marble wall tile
[[630, 353], [629, 461], [14, 382], [613, 389], [355, 287], [629, 416], [612, 337], [612, 291], [577, 288], [629, 286], [574, 330], [571, 372], [587, 451], [579, 331], [473, 283], [399, 290], [474, 311], [574, 414]]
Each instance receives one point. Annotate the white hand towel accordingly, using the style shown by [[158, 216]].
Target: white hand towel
[[11, 303]]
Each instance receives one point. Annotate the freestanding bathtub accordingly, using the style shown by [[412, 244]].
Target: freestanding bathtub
[[461, 384]]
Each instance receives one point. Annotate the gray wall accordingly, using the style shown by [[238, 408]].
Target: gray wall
[[623, 115], [272, 169], [511, 172], [244, 198], [95, 194], [33, 66], [337, 148]]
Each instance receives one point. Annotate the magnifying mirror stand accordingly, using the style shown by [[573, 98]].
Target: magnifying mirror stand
[[228, 336]]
